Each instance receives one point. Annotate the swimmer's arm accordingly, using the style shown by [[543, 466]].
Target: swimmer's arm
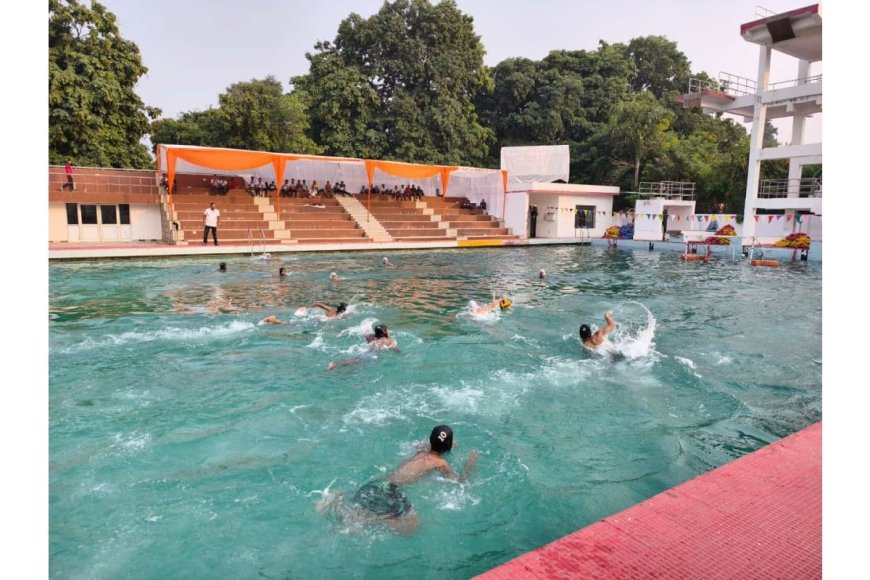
[[330, 311], [608, 318], [469, 465]]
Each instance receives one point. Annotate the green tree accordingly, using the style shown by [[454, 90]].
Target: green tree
[[638, 130], [399, 85], [255, 115], [661, 67], [94, 115]]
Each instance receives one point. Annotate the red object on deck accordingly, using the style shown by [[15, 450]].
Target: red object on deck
[[759, 516]]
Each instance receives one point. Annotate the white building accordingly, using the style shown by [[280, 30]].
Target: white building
[[538, 202], [798, 201]]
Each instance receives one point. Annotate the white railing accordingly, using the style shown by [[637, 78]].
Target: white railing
[[803, 187], [764, 12], [794, 82], [727, 83], [667, 189]]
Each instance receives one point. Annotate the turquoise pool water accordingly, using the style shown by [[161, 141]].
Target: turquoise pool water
[[187, 441]]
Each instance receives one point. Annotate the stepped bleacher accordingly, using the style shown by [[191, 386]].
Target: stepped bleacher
[[405, 221], [312, 220], [241, 220], [470, 224]]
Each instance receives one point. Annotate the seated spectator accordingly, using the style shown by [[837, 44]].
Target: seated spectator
[[418, 193], [260, 187], [251, 186], [483, 205], [328, 190], [164, 183], [285, 188], [364, 189], [376, 190], [465, 204]]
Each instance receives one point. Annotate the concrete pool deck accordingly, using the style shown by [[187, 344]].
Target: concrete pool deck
[[759, 516], [101, 250]]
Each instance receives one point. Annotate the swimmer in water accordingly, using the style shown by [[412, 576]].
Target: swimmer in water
[[542, 274], [387, 262], [282, 272], [331, 312], [222, 267], [378, 341], [593, 340], [333, 277], [502, 303], [383, 501]]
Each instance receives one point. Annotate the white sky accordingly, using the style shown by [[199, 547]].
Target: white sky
[[195, 50]]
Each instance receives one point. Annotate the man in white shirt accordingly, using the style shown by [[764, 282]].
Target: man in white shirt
[[210, 219]]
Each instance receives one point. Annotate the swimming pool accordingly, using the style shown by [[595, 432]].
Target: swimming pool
[[188, 441]]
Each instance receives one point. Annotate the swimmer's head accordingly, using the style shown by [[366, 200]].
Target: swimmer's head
[[386, 260], [222, 267], [441, 439], [542, 273], [505, 303], [341, 307], [282, 271], [333, 276], [585, 332], [381, 331]]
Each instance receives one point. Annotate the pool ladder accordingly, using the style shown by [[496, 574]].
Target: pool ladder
[[262, 241]]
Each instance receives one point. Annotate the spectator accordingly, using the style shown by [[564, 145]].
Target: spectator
[[285, 188], [260, 187], [483, 205], [69, 177], [210, 221], [252, 187]]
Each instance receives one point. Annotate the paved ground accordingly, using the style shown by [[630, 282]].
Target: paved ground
[[757, 517]]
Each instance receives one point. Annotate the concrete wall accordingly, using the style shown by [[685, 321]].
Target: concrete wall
[[548, 220], [517, 213], [145, 224]]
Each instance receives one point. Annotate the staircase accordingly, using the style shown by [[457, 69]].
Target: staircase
[[372, 227], [313, 220], [407, 221], [469, 224], [241, 214]]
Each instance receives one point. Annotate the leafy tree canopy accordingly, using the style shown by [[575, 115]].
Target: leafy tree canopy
[[94, 115], [255, 115], [399, 85]]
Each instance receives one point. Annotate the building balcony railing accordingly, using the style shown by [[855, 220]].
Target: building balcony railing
[[802, 187], [727, 83], [102, 180], [794, 82], [684, 190]]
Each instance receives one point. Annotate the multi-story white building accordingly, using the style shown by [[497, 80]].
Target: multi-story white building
[[798, 34]]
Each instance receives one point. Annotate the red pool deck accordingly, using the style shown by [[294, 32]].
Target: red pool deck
[[759, 516]]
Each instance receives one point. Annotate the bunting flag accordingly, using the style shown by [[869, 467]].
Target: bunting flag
[[700, 218], [788, 218], [661, 217], [798, 217], [649, 216], [706, 218], [779, 217], [678, 218], [769, 218], [756, 217]]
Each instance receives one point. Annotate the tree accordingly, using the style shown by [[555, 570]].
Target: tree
[[638, 129], [661, 68], [94, 115], [399, 85], [255, 115]]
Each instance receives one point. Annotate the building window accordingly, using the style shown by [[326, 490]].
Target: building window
[[109, 215], [585, 217], [72, 214], [124, 214], [89, 214]]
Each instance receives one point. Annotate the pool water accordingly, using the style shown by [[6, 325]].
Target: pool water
[[187, 441]]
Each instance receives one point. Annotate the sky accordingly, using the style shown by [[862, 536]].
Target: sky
[[195, 50]]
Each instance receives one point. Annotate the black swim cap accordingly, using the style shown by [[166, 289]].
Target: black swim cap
[[585, 331], [441, 439], [341, 307], [380, 331]]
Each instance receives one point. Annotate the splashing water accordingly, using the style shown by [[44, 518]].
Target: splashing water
[[633, 336]]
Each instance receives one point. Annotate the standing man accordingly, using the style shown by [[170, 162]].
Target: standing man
[[69, 176], [210, 219]]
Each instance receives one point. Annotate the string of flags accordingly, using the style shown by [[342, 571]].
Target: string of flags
[[797, 217]]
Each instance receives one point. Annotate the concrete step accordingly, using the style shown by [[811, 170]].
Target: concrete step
[[324, 233]]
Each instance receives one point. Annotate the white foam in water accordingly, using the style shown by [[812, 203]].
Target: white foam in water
[[317, 343], [169, 333], [633, 337], [363, 328], [689, 363]]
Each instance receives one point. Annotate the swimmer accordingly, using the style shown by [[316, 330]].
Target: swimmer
[[331, 312], [282, 272], [222, 267], [542, 274], [378, 341], [333, 277], [387, 262], [272, 320], [383, 501], [381, 339], [502, 303], [593, 340]]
